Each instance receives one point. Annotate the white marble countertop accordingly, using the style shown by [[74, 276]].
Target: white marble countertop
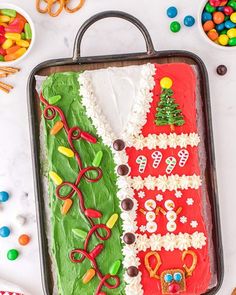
[[55, 37]]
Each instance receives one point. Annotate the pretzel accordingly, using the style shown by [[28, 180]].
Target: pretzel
[[72, 10], [152, 272], [189, 271]]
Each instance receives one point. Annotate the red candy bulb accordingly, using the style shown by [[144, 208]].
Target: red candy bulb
[[88, 137], [228, 10], [174, 288], [215, 3], [93, 213]]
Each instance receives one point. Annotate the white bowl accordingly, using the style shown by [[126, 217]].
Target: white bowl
[[205, 37], [28, 18]]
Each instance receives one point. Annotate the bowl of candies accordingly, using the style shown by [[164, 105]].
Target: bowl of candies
[[218, 22], [17, 34]]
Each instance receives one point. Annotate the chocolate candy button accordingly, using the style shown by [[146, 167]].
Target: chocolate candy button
[[132, 271], [123, 170], [127, 204], [118, 145], [129, 238], [221, 70]]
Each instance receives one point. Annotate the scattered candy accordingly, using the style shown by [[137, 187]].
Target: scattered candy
[[89, 276], [112, 220], [80, 233], [166, 83], [93, 213], [88, 137], [123, 170], [129, 238], [54, 99], [97, 159], [114, 269], [132, 271], [55, 178], [142, 161], [66, 206], [171, 162], [157, 156], [12, 254], [8, 12], [172, 12], [189, 21], [21, 219], [175, 27], [56, 128], [127, 204], [219, 22], [66, 151], [24, 240], [221, 70], [4, 232], [28, 31], [118, 145], [184, 155], [4, 196]]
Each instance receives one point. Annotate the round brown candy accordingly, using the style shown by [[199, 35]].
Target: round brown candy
[[127, 204], [118, 145], [132, 271], [129, 238], [123, 170], [221, 70]]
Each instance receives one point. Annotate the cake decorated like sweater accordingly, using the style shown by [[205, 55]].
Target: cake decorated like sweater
[[124, 181]]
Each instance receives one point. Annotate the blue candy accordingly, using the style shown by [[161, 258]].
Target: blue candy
[[189, 21], [172, 12], [177, 276], [4, 232], [168, 278], [206, 16], [4, 196], [220, 27], [220, 8], [229, 24]]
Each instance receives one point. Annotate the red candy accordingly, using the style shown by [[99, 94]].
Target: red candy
[[215, 2], [16, 26], [88, 137], [96, 251], [2, 39], [2, 51], [228, 10], [2, 30], [93, 213], [174, 288]]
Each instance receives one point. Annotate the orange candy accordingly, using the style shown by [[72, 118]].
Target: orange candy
[[12, 49], [213, 35], [208, 25], [66, 206], [89, 276], [24, 240], [218, 17], [56, 128]]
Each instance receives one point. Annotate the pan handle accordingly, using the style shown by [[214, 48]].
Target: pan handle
[[106, 14]]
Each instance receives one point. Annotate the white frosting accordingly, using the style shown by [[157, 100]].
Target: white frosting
[[163, 182]]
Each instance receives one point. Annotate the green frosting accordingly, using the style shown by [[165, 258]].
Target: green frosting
[[100, 195]]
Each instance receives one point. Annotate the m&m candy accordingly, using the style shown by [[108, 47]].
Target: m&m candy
[[219, 22], [189, 21], [4, 232], [4, 196], [24, 240], [175, 27], [12, 254], [172, 12]]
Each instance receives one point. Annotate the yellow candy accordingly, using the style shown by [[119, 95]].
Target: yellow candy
[[55, 178], [22, 43], [223, 40], [112, 220], [7, 44], [233, 17], [13, 36], [166, 83], [4, 19], [231, 33], [66, 152], [20, 52], [66, 206], [89, 276]]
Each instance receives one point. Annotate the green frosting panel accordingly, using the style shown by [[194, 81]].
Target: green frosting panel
[[100, 195]]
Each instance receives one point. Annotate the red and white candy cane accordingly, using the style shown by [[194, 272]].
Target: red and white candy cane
[[184, 155], [142, 161], [171, 161], [157, 156]]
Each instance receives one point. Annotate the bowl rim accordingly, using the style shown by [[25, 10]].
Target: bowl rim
[[205, 37], [30, 21]]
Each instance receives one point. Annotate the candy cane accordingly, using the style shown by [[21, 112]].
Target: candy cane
[[142, 161], [171, 161], [157, 156], [184, 155]]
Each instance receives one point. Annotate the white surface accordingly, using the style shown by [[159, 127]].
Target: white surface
[[55, 39]]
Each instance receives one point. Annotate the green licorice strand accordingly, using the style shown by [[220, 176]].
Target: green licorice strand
[[98, 158], [8, 12]]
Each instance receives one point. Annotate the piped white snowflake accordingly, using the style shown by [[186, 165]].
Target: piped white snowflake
[[141, 194], [178, 194], [194, 223], [190, 201], [183, 219], [143, 228], [159, 197]]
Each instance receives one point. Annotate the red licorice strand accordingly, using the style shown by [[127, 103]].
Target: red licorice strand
[[96, 251], [94, 229], [103, 281]]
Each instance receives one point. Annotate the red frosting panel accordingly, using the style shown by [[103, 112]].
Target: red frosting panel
[[184, 86]]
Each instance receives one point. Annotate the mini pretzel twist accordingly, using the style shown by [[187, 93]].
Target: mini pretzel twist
[[189, 271], [152, 272], [62, 4]]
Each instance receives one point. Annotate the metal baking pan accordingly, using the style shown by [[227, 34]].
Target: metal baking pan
[[77, 63]]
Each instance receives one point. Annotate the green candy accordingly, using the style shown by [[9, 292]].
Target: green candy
[[8, 12], [28, 31], [175, 27], [232, 4], [79, 233], [223, 32], [115, 267], [1, 58], [54, 99], [210, 8], [23, 36], [98, 158], [12, 254], [232, 41]]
